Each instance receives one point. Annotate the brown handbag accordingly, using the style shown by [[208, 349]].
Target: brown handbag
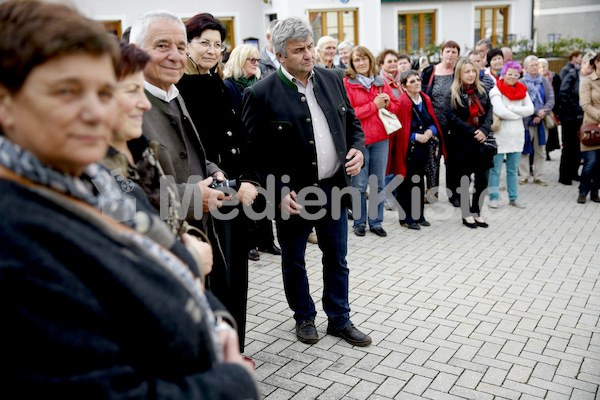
[[589, 134]]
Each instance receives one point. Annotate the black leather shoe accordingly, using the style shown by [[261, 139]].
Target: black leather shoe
[[272, 249], [581, 198], [410, 225], [469, 224], [379, 231], [306, 332], [482, 224], [595, 198], [253, 255], [359, 230], [424, 223], [351, 335]]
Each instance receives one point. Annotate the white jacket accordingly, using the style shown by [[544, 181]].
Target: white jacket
[[511, 136]]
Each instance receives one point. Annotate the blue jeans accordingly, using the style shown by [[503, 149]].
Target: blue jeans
[[512, 169], [376, 158], [333, 242], [590, 175]]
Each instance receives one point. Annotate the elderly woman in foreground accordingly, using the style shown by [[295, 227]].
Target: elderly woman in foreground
[[91, 307]]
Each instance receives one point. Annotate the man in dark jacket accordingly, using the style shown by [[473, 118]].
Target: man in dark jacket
[[574, 62], [306, 139]]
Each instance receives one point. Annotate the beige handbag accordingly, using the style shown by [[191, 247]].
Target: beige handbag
[[550, 121], [496, 124], [391, 123]]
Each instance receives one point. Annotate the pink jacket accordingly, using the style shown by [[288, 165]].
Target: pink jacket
[[366, 110]]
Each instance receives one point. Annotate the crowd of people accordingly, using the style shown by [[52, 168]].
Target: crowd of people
[[140, 176]]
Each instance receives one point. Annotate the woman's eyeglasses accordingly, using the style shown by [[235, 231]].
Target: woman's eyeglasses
[[254, 60], [513, 75], [206, 44]]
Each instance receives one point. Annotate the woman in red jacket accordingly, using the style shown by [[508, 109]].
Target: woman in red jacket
[[409, 148], [368, 93]]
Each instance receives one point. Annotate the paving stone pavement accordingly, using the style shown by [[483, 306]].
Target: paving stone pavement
[[508, 312]]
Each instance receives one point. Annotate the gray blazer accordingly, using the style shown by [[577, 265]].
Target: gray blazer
[[174, 156]]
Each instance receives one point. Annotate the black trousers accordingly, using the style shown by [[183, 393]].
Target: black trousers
[[229, 282], [570, 159], [411, 192]]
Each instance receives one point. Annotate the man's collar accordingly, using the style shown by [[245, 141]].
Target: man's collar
[[294, 80], [160, 93]]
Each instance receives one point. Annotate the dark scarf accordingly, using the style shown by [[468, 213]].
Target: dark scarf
[[475, 108], [243, 82], [517, 92]]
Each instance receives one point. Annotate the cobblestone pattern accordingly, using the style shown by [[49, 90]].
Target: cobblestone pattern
[[508, 312]]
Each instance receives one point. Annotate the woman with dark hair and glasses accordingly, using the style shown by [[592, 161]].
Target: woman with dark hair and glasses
[[222, 134], [409, 149], [242, 71]]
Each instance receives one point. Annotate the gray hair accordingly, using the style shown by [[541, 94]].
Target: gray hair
[[529, 59], [543, 61], [140, 27], [325, 39], [345, 44], [272, 25], [488, 43], [289, 29]]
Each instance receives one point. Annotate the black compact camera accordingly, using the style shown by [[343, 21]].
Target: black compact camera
[[233, 184]]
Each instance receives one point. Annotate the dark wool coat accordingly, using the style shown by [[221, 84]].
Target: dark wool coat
[[462, 134], [86, 316]]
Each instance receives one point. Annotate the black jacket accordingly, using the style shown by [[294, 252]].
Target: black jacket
[[218, 123], [570, 110], [280, 131], [461, 133]]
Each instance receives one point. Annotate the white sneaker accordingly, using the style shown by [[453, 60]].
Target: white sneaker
[[493, 204], [516, 203]]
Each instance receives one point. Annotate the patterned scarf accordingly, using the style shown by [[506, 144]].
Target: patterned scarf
[[95, 186], [517, 92], [393, 81], [533, 87], [495, 74], [475, 108]]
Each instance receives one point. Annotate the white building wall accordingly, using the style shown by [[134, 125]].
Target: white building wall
[[369, 17], [455, 20], [377, 22], [247, 13]]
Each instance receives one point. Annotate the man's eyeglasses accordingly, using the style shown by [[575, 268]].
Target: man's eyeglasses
[[254, 60]]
